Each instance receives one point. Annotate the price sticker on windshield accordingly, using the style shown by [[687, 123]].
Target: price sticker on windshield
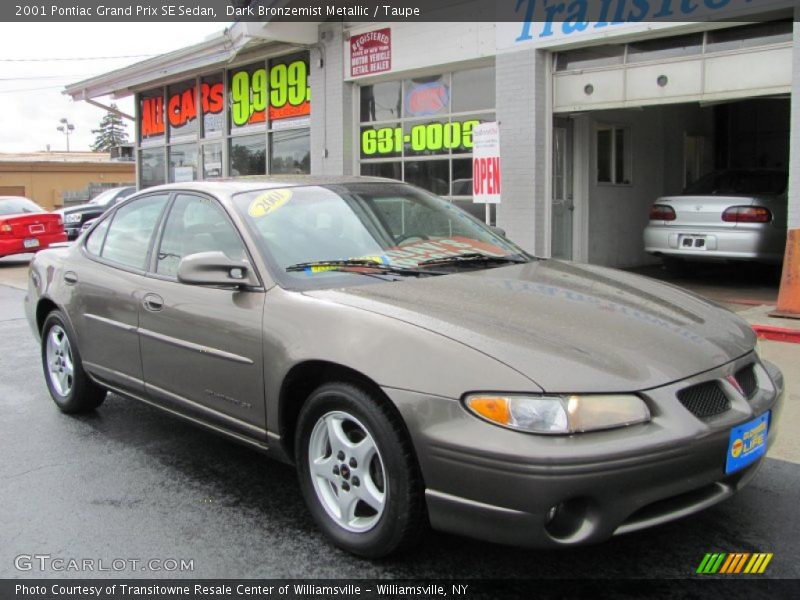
[[268, 202]]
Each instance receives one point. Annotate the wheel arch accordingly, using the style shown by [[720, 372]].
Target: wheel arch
[[302, 379], [43, 308]]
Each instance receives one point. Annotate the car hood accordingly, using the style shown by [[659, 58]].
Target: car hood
[[567, 327], [82, 208]]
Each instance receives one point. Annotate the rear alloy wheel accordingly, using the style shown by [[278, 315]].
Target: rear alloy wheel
[[357, 471], [69, 385]]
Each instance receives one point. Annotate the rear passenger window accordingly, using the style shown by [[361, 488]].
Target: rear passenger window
[[94, 243], [196, 224], [131, 230]]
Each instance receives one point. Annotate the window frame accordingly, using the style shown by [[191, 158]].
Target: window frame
[[613, 128]]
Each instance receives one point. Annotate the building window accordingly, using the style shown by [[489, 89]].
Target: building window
[[587, 58], [182, 162], [182, 111], [212, 105], [740, 37], [419, 130], [289, 152], [249, 120], [248, 155], [665, 48], [750, 36], [152, 167], [212, 160], [274, 101], [613, 154]]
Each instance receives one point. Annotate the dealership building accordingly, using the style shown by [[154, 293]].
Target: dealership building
[[596, 119]]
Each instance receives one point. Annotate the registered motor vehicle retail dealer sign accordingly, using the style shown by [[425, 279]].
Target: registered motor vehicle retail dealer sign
[[371, 52]]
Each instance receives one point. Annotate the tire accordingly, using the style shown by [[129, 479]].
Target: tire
[[382, 502], [69, 385]]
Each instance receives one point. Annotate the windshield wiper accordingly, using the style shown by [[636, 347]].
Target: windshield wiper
[[348, 264], [475, 257]]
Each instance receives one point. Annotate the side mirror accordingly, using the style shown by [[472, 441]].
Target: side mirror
[[214, 268], [498, 230]]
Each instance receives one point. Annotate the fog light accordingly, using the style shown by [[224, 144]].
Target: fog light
[[568, 520]]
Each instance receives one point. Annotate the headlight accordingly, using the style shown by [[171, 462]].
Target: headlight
[[559, 414], [72, 218]]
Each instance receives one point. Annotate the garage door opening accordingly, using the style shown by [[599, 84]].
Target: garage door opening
[[623, 160]]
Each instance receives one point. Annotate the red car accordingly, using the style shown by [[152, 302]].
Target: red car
[[26, 227]]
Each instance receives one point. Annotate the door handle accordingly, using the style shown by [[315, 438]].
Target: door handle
[[70, 278], [153, 302]]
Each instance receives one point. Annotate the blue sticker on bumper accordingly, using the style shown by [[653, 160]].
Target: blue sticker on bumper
[[747, 443]]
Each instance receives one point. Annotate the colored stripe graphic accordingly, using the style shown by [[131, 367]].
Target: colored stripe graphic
[[711, 563], [733, 563], [741, 562], [758, 563]]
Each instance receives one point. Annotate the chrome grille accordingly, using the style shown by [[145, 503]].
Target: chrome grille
[[746, 378], [705, 399]]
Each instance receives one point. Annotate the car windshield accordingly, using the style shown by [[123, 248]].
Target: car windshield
[[739, 182], [367, 225], [18, 206]]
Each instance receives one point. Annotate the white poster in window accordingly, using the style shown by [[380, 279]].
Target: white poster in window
[[486, 163], [180, 174]]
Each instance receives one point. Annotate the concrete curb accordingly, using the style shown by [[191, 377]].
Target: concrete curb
[[778, 334]]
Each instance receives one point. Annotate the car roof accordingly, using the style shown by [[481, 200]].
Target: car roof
[[233, 185]]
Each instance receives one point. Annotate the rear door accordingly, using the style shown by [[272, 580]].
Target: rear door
[[202, 345], [111, 284]]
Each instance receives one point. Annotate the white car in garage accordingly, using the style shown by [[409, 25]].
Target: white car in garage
[[732, 215]]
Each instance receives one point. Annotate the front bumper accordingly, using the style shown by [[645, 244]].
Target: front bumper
[[758, 243], [490, 483], [72, 231]]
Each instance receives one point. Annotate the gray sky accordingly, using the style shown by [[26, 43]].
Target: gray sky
[[31, 102]]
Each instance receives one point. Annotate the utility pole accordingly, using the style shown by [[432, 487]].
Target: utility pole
[[66, 127]]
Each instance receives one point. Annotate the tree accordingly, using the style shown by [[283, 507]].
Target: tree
[[110, 133]]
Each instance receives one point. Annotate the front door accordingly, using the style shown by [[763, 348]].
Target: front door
[[562, 201], [202, 345]]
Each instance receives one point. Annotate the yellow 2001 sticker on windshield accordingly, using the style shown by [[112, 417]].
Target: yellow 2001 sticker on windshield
[[269, 201]]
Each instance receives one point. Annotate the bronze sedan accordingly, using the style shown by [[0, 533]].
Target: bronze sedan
[[417, 367]]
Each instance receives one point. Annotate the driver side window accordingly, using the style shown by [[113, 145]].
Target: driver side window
[[196, 224]]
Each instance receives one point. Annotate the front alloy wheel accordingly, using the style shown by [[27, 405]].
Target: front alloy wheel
[[347, 471], [357, 470]]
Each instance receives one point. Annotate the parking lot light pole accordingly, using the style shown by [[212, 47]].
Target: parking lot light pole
[[66, 127]]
